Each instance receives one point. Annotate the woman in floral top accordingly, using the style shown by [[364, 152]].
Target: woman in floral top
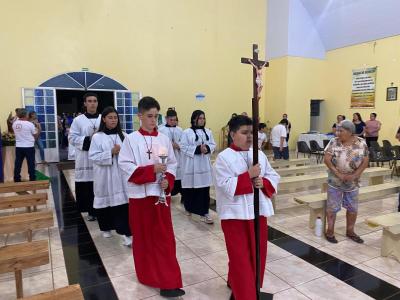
[[346, 157]]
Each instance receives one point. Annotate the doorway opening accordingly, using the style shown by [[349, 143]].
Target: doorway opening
[[71, 101], [62, 94], [69, 104], [317, 115]]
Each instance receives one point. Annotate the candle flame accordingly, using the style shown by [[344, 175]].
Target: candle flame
[[162, 151]]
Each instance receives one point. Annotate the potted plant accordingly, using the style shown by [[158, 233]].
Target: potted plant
[[7, 139]]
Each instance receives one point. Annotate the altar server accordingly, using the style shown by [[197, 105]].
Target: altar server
[[80, 136], [110, 195], [150, 220], [197, 144], [235, 179], [174, 133]]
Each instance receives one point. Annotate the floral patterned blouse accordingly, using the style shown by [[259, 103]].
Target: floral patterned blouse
[[346, 159]]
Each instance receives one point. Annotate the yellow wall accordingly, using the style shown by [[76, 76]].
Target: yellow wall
[[275, 90], [168, 49], [385, 54], [292, 82]]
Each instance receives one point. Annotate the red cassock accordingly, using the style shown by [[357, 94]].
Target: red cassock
[[240, 244], [154, 247]]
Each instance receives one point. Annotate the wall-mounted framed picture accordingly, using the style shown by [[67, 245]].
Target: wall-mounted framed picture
[[391, 93]]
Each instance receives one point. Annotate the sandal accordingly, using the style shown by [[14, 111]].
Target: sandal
[[331, 239], [355, 238]]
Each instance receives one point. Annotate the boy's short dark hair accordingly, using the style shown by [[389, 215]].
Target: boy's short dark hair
[[284, 122], [261, 126], [90, 94], [171, 113], [236, 122], [22, 113], [147, 103]]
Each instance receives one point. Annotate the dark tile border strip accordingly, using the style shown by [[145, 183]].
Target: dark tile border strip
[[82, 260], [353, 276]]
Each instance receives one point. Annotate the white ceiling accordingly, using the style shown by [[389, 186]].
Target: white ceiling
[[342, 23]]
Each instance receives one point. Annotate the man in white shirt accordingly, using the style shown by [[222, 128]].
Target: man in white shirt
[[278, 140], [25, 135]]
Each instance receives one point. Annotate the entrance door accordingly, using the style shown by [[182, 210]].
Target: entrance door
[[43, 102], [317, 115]]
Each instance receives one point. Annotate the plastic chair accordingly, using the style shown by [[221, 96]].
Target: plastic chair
[[302, 147], [317, 150]]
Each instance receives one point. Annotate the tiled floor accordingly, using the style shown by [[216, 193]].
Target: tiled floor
[[202, 256]]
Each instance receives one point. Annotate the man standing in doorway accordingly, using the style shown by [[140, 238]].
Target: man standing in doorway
[[82, 129]]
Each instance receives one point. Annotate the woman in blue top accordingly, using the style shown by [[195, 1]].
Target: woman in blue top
[[359, 124]]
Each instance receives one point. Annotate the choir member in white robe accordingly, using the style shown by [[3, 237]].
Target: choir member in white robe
[[154, 250], [174, 133], [197, 144], [80, 135], [110, 192], [235, 179]]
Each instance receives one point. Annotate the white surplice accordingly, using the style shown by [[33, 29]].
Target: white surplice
[[228, 166], [134, 154], [109, 185], [196, 168], [174, 134], [80, 128]]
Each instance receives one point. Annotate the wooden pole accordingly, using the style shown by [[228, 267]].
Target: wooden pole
[[18, 284], [256, 120]]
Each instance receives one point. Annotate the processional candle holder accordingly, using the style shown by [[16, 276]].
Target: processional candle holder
[[162, 199]]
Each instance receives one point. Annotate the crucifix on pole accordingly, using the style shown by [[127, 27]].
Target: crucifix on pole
[[258, 66]]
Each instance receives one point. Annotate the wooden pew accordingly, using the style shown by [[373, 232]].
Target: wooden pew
[[15, 187], [26, 200], [301, 170], [15, 258], [390, 245], [317, 202], [26, 222], [280, 163], [375, 174], [24, 187], [71, 292]]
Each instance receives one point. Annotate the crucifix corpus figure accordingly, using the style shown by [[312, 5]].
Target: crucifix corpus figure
[[258, 80]]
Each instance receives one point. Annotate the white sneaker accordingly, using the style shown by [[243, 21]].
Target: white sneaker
[[107, 234], [127, 241], [207, 219], [188, 213]]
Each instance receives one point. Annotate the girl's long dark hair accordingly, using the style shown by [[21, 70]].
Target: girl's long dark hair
[[102, 127], [359, 117], [193, 121]]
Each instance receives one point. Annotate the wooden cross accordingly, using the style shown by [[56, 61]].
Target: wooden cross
[[258, 65], [255, 115], [255, 109]]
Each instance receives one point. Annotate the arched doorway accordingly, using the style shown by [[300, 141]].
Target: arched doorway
[[63, 94]]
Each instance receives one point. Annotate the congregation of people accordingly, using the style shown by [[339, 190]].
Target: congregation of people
[[125, 182]]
